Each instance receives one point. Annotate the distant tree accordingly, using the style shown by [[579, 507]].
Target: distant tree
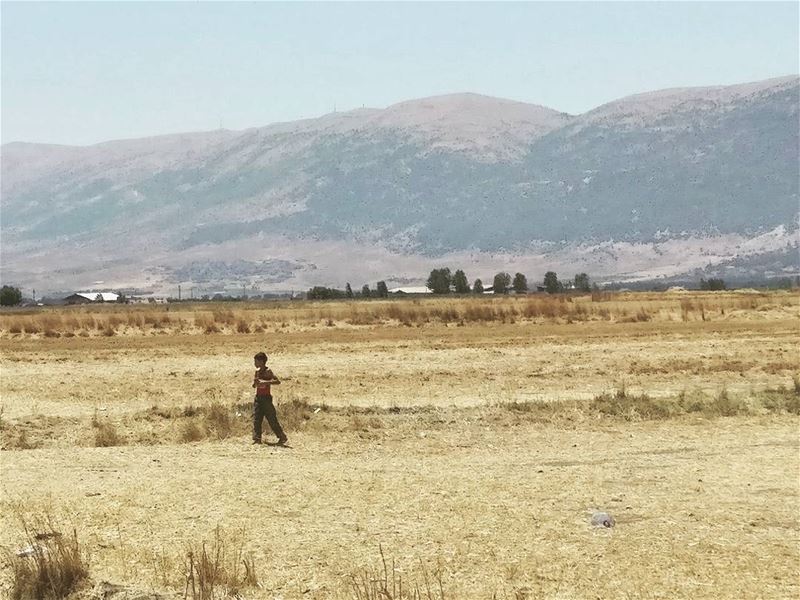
[[477, 287], [582, 283], [460, 283], [502, 281], [383, 291], [365, 291], [551, 283], [712, 284], [323, 293], [348, 291], [520, 284], [10, 296], [439, 281]]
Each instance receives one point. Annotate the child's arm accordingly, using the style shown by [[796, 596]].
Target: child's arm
[[269, 377]]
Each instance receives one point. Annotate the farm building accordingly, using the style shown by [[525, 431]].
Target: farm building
[[410, 290], [88, 297]]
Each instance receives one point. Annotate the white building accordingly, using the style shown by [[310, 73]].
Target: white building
[[410, 290], [86, 297]]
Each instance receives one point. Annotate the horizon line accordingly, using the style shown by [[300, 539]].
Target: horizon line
[[409, 100]]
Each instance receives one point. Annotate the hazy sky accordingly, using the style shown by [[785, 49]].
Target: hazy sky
[[79, 73]]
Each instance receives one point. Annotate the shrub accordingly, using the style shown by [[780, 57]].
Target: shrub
[[20, 442], [218, 419], [687, 306], [106, 434], [191, 431], [725, 405], [364, 423], [394, 310], [692, 403], [358, 317], [387, 583], [219, 569], [480, 312], [445, 315], [294, 413], [53, 568], [630, 407], [135, 320], [781, 400], [31, 327]]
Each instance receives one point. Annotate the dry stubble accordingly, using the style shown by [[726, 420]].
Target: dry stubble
[[489, 502]]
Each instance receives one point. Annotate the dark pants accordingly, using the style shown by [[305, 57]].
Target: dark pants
[[263, 407]]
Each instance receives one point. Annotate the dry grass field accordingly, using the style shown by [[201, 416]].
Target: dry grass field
[[454, 448]]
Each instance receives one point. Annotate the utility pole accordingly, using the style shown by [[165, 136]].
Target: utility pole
[[34, 296], [179, 292]]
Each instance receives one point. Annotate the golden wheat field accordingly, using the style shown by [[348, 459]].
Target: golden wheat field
[[438, 448]]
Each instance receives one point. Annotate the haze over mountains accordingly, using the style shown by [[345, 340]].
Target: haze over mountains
[[655, 184]]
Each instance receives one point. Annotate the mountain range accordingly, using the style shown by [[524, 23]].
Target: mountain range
[[652, 185]]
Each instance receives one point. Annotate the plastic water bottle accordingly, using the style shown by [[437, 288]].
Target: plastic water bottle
[[602, 519]]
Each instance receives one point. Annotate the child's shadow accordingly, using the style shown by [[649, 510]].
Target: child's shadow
[[277, 445]]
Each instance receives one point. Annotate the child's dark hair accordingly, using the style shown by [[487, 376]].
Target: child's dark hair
[[261, 357]]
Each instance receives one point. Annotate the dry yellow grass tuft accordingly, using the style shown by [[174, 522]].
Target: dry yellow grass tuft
[[385, 583], [50, 566], [218, 569], [106, 434]]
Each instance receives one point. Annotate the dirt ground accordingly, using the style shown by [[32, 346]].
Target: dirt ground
[[489, 504]]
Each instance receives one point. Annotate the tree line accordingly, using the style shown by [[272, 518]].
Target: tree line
[[325, 293], [442, 281]]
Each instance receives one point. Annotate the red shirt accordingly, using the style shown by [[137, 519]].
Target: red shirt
[[262, 389]]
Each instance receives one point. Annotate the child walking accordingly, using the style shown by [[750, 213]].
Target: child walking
[[263, 407]]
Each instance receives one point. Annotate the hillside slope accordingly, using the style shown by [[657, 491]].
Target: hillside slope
[[457, 175]]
